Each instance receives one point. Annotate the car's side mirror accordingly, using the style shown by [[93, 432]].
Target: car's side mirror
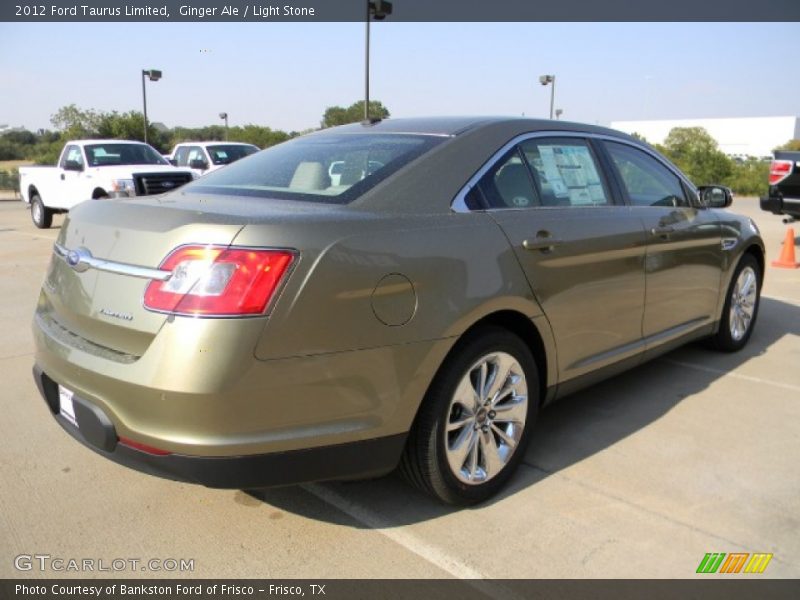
[[72, 165], [199, 164], [715, 196], [173, 162]]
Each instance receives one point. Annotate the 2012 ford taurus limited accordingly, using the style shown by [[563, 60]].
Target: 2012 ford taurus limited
[[266, 325]]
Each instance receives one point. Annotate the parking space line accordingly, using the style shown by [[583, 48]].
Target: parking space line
[[680, 363], [406, 539], [635, 506], [413, 543]]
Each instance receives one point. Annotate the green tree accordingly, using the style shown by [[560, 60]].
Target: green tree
[[749, 177], [74, 123], [263, 137], [336, 115], [123, 126], [10, 150], [790, 145], [697, 154]]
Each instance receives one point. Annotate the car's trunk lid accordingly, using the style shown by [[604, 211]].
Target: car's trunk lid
[[106, 308]]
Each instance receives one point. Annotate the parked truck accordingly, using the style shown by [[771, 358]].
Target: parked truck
[[204, 157], [784, 185], [96, 169]]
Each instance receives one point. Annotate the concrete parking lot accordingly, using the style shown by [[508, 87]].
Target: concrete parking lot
[[639, 476]]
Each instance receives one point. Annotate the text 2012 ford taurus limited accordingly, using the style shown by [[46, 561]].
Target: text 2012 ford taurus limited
[[264, 325]]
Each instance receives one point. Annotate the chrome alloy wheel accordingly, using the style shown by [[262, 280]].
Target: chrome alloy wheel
[[743, 303], [37, 212], [486, 418]]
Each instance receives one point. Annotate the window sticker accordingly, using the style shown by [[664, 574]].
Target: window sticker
[[571, 172]]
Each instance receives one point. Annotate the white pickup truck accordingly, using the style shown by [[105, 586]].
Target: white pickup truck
[[204, 157], [93, 169]]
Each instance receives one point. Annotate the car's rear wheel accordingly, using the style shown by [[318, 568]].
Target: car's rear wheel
[[473, 426], [741, 306], [41, 216]]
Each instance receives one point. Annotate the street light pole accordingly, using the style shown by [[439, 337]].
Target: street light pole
[[224, 115], [551, 79], [366, 64], [378, 10], [153, 75]]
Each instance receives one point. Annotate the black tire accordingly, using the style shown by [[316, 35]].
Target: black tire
[[727, 339], [425, 462], [41, 216]]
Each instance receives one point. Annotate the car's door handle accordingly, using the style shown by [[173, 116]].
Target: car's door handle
[[62, 177], [543, 243], [663, 231]]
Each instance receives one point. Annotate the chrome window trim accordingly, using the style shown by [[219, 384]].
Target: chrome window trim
[[459, 204]]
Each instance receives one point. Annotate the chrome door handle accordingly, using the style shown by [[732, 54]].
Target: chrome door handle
[[544, 244], [662, 230]]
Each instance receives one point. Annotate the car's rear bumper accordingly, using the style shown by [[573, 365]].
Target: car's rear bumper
[[364, 458]]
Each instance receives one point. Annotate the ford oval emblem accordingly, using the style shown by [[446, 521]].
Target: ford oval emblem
[[167, 184], [79, 259]]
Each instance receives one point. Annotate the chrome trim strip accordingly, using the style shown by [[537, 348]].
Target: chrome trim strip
[[729, 243], [109, 266], [459, 203]]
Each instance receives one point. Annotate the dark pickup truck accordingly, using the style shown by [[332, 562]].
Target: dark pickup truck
[[784, 185]]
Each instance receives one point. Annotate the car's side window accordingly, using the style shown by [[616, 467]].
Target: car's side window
[[566, 172], [647, 181], [72, 154], [195, 153], [507, 184], [180, 156]]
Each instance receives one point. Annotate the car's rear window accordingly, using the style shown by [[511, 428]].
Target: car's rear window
[[335, 168]]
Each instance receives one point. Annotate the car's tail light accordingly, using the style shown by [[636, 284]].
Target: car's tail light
[[218, 281], [779, 170]]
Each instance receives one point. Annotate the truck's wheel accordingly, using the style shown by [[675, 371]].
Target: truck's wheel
[[41, 215]]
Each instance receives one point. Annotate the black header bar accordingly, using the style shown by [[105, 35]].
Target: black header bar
[[403, 10]]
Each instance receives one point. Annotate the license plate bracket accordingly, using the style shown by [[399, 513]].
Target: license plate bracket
[[66, 405]]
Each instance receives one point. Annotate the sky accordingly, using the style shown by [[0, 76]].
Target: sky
[[284, 75]]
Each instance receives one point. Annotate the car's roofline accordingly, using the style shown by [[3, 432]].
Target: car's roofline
[[455, 126], [215, 143], [92, 142]]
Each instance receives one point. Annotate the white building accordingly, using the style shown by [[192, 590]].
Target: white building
[[747, 136]]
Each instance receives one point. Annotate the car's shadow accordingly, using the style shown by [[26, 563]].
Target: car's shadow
[[568, 431]]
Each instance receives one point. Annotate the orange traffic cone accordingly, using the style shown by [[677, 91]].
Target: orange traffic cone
[[787, 260]]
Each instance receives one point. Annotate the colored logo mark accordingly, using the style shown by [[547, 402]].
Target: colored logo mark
[[735, 562]]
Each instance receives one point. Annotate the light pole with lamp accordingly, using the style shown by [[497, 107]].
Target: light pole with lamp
[[378, 10], [153, 75], [224, 115], [544, 80]]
